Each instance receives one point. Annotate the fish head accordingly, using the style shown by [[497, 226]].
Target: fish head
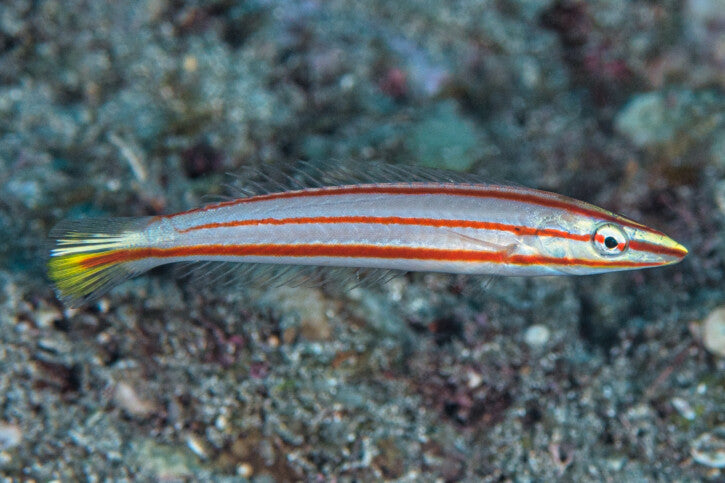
[[597, 244]]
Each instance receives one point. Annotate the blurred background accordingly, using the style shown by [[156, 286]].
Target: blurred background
[[141, 107]]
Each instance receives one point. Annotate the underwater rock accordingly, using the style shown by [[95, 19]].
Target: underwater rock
[[669, 119], [444, 138]]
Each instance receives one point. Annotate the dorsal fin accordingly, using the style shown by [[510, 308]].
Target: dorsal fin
[[307, 174]]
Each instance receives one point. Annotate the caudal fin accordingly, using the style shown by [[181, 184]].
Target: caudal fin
[[87, 256]]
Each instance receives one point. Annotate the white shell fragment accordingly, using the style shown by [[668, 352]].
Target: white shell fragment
[[709, 448], [536, 336], [713, 332], [127, 398]]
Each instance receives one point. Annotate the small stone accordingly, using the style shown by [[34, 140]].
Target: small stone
[[197, 446], [537, 336], [45, 315], [616, 464], [221, 422], [103, 305], [55, 345], [713, 332], [191, 64], [10, 436], [474, 379], [245, 470], [709, 448], [126, 398], [684, 408]]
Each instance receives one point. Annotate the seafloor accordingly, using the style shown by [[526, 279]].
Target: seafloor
[[140, 107]]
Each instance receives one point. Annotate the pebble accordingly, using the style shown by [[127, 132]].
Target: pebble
[[55, 345], [709, 448], [713, 332], [45, 315], [197, 446], [474, 379], [126, 398], [10, 436], [245, 470], [221, 422], [683, 408], [537, 336]]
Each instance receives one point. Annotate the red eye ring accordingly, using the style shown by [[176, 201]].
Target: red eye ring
[[610, 240]]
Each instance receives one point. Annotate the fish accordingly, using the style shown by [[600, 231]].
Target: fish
[[377, 219]]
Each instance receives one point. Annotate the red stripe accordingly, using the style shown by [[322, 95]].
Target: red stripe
[[443, 223], [350, 251], [657, 249], [396, 220], [536, 197]]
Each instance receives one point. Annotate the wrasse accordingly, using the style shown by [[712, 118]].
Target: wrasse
[[412, 220]]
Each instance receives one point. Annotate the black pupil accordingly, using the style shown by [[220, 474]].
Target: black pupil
[[610, 242]]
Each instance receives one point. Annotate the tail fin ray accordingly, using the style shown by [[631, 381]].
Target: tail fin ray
[[80, 266]]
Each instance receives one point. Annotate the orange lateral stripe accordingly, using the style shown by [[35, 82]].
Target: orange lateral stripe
[[657, 249], [562, 203], [348, 251], [396, 220]]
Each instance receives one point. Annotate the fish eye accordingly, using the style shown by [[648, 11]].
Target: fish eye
[[610, 240]]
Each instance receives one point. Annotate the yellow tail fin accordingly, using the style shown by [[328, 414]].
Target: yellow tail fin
[[82, 266]]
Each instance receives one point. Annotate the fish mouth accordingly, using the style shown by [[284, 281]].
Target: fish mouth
[[679, 249], [664, 248]]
